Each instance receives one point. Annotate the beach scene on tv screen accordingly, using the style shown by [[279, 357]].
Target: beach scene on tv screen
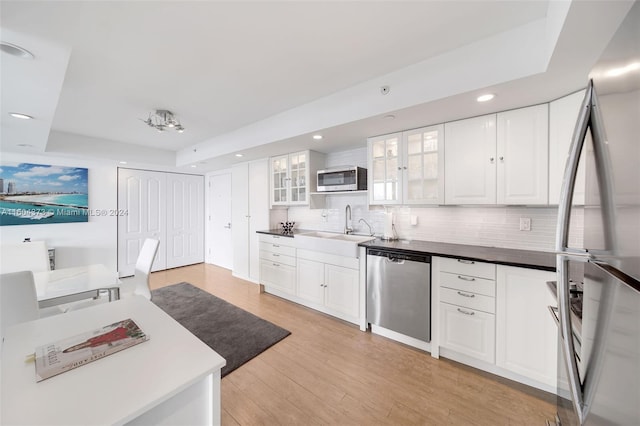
[[39, 194]]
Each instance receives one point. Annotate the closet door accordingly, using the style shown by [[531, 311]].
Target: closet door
[[142, 196], [185, 220]]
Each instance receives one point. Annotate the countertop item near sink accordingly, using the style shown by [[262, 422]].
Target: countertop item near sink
[[512, 257], [281, 233]]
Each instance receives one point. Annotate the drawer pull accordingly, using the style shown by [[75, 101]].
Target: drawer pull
[[466, 294], [462, 311], [276, 246], [276, 264], [467, 262], [466, 278], [275, 254]]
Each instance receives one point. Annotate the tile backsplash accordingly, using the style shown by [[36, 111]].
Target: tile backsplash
[[479, 225]]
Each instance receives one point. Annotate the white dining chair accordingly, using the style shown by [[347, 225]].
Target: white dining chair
[[140, 279], [30, 256], [137, 284], [18, 299]]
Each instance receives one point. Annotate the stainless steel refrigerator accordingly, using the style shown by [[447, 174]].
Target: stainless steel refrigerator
[[598, 285]]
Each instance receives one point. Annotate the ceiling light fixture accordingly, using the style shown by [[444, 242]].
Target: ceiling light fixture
[[389, 117], [123, 162], [15, 50], [20, 116], [193, 166], [239, 155], [317, 137], [163, 119], [485, 98]]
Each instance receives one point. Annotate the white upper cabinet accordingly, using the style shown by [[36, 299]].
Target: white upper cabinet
[[563, 115], [407, 167], [498, 158], [293, 177], [384, 169], [522, 156], [470, 161]]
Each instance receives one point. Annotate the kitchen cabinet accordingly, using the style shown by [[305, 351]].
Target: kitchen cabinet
[[277, 263], [563, 115], [498, 158], [293, 177], [249, 213], [526, 335], [467, 308], [407, 167], [329, 283]]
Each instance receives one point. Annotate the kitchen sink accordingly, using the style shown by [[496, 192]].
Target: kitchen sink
[[331, 242]]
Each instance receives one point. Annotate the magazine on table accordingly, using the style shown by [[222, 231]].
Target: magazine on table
[[64, 355]]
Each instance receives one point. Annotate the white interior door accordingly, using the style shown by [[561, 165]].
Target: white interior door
[[141, 194], [220, 239], [185, 220]]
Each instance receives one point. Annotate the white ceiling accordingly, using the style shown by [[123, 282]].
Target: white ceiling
[[258, 77]]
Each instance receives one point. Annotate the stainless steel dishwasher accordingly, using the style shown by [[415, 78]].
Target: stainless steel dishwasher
[[399, 292]]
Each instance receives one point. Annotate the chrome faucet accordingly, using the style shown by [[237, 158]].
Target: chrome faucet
[[367, 223], [347, 219]]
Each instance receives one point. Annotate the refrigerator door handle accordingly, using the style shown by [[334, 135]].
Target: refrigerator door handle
[[566, 332], [571, 170]]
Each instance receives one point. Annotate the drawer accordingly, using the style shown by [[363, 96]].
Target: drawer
[[278, 248], [276, 239], [467, 283], [278, 258], [468, 267], [468, 300]]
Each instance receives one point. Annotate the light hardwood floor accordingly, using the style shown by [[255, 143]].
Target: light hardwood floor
[[329, 372]]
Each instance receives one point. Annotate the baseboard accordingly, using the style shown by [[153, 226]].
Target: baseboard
[[402, 338]]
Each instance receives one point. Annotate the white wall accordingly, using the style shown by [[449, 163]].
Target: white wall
[[76, 243], [485, 226]]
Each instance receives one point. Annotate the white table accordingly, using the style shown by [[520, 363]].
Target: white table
[[71, 284], [173, 378]]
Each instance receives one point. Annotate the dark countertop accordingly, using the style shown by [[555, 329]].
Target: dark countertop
[[511, 257], [280, 232]]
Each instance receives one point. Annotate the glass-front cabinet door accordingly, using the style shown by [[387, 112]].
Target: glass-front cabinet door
[[280, 180], [290, 179], [298, 178], [384, 169], [423, 171]]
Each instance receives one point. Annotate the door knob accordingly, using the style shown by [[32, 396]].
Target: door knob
[[228, 225]]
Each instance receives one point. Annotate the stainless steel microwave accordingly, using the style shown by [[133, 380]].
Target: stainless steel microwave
[[342, 179]]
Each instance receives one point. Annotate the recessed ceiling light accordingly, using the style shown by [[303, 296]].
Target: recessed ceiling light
[[317, 137], [239, 155], [193, 166], [123, 162], [389, 117], [485, 98], [15, 50], [20, 116]]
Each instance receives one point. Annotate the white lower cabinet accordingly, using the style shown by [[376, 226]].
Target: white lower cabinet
[[467, 307], [468, 331], [278, 263], [526, 335], [329, 283]]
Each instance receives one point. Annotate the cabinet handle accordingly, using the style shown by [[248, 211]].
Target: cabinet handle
[[462, 311], [276, 264], [405, 167], [275, 245], [466, 294], [275, 237], [466, 278], [275, 254], [501, 158], [466, 262], [399, 168], [491, 159]]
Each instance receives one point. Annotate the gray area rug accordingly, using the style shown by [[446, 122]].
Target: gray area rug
[[234, 333]]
